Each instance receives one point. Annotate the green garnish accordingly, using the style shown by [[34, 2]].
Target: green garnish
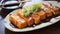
[[31, 9]]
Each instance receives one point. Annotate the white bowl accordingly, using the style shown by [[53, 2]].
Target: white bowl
[[11, 7]]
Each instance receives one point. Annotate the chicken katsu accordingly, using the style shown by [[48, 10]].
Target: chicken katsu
[[33, 14]]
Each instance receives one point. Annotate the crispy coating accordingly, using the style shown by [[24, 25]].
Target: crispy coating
[[42, 15], [17, 21], [36, 18], [54, 9], [29, 19], [47, 11]]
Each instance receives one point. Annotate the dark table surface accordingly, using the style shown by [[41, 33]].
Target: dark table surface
[[52, 29]]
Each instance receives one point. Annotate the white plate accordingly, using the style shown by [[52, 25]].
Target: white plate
[[11, 27]]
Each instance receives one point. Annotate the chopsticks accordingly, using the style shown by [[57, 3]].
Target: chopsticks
[[13, 3]]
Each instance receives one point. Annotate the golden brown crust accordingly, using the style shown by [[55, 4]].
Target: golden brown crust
[[47, 11], [42, 15], [54, 9], [36, 18], [18, 21], [29, 20]]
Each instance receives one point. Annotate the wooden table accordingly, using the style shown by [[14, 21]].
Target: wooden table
[[53, 29]]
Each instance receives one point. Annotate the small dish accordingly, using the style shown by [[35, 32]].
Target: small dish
[[11, 7]]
